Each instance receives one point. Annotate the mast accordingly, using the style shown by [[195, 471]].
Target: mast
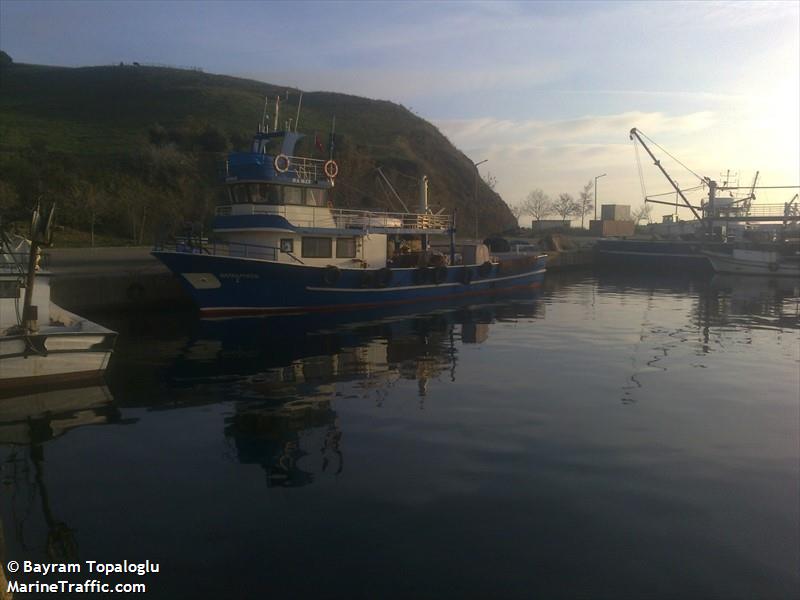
[[41, 235], [297, 118]]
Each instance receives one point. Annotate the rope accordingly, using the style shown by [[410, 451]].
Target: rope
[[672, 157], [692, 189], [639, 168]]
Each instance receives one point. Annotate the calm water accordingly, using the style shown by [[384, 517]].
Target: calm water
[[611, 438]]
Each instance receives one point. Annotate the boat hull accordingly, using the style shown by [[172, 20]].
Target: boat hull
[[656, 255], [224, 286], [753, 265], [55, 355]]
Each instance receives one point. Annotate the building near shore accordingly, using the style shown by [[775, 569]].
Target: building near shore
[[615, 221]]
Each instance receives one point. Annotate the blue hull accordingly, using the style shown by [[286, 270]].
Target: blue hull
[[224, 286]]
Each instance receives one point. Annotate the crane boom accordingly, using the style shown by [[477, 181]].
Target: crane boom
[[656, 162]]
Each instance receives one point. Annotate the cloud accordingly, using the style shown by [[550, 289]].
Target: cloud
[[486, 132], [409, 84]]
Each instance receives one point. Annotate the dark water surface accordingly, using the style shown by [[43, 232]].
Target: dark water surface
[[616, 437]]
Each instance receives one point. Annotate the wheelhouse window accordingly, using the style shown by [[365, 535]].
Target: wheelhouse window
[[317, 247], [253, 192], [345, 247], [316, 197], [240, 194], [269, 194], [292, 195]]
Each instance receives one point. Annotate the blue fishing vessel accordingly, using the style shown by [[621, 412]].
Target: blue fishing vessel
[[279, 245]]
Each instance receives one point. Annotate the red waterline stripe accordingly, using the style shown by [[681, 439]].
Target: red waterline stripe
[[246, 312]]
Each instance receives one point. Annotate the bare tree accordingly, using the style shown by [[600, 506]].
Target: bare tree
[[537, 204], [585, 202], [491, 181], [92, 203], [642, 213], [565, 207], [516, 210]]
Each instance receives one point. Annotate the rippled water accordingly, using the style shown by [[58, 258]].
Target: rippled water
[[614, 437]]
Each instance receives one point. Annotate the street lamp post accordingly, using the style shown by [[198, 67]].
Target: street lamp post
[[595, 194], [475, 195]]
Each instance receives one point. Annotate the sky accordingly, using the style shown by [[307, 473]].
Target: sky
[[547, 92]]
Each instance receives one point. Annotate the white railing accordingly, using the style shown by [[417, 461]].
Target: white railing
[[311, 169], [342, 218], [219, 248], [365, 219]]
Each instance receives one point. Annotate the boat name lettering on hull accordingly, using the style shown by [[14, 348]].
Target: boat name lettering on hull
[[237, 277]]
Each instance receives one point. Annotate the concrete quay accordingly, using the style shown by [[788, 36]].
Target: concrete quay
[[111, 279]]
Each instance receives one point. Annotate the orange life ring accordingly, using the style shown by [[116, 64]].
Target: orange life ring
[[331, 169], [281, 163]]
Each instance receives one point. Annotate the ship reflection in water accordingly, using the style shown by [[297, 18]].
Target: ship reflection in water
[[283, 376], [28, 422], [611, 438]]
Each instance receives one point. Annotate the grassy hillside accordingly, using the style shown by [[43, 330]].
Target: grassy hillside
[[139, 150]]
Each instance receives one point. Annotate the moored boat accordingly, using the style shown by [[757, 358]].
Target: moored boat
[[280, 246], [40, 342], [768, 263]]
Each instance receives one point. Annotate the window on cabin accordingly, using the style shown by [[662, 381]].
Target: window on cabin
[[269, 194], [345, 247], [292, 195], [287, 245], [253, 193], [317, 247], [240, 194], [315, 197]]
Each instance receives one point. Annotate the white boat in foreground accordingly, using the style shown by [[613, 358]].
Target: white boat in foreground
[[40, 342], [768, 263]]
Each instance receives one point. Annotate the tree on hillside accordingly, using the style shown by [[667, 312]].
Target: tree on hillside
[[491, 181], [90, 203], [9, 199], [5, 59], [565, 207], [642, 213], [537, 204], [585, 202]]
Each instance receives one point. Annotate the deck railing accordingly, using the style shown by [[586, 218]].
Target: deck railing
[[311, 169], [343, 218], [219, 248], [17, 263], [762, 212]]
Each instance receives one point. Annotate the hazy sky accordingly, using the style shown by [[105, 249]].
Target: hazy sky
[[546, 91]]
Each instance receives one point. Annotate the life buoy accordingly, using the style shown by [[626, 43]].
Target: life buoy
[[331, 274], [439, 274], [383, 277], [485, 269], [773, 266], [466, 276], [281, 163], [331, 169]]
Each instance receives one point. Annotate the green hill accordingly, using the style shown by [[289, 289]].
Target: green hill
[[138, 150]]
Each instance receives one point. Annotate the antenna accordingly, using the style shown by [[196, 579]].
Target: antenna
[[332, 138], [277, 110], [264, 116], [299, 104]]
